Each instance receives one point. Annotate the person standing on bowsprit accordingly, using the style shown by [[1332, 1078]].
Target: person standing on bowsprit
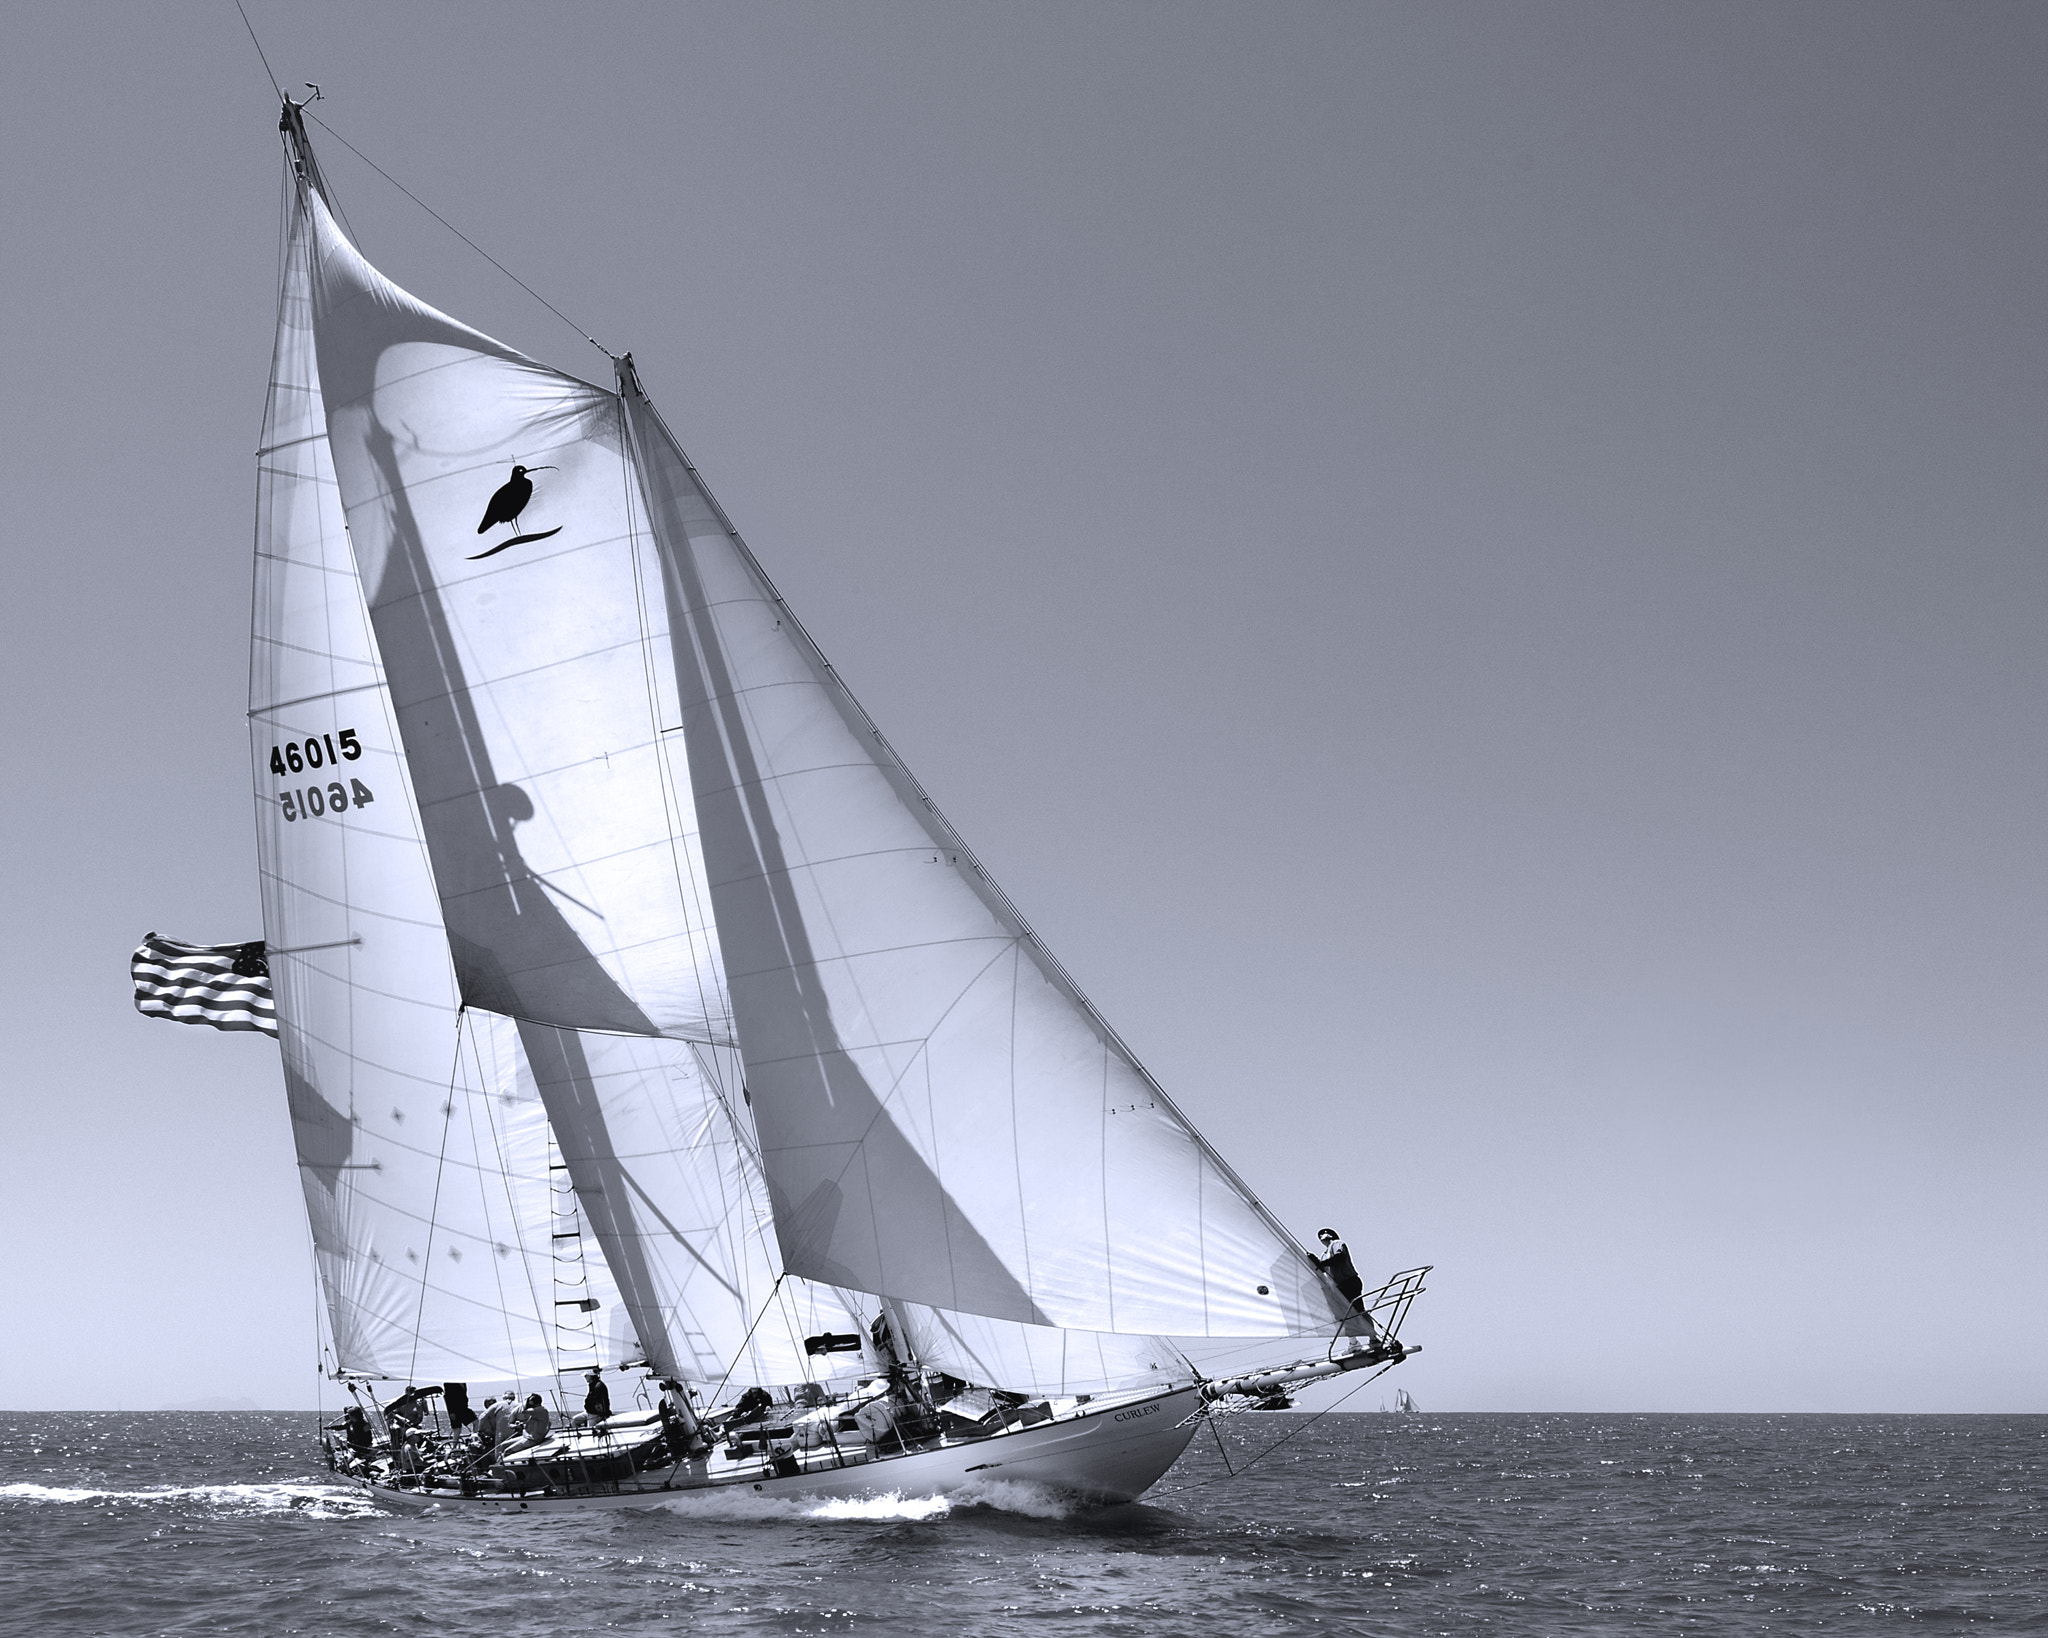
[[1335, 1262]]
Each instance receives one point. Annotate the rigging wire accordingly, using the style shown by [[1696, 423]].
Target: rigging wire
[[773, 1290], [540, 1317], [745, 1149], [465, 238], [434, 1211], [262, 56], [483, 1187], [1232, 1473]]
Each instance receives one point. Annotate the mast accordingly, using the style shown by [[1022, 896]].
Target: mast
[[291, 124]]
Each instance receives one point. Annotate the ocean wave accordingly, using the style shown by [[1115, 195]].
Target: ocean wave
[[1034, 1501], [310, 1500]]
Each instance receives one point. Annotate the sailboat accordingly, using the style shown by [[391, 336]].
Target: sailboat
[[648, 1034]]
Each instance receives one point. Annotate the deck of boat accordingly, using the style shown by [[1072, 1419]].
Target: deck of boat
[[1110, 1449]]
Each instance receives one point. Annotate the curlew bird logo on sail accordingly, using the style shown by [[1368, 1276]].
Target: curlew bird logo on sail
[[505, 507]]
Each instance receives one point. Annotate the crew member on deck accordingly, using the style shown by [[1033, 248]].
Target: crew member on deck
[[597, 1403], [355, 1424], [532, 1427], [409, 1409]]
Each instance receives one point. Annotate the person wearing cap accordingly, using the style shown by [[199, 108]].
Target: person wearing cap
[[597, 1403], [1336, 1263]]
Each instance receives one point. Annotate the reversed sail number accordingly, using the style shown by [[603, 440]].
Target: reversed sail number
[[314, 801], [318, 751]]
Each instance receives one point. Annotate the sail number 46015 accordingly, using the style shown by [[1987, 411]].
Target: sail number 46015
[[319, 751], [316, 751]]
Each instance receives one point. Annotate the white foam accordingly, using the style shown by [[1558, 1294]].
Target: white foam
[[313, 1500], [739, 1506], [1001, 1495], [333, 1502], [891, 1506], [1034, 1501]]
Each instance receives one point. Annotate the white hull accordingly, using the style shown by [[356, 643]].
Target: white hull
[[1114, 1454]]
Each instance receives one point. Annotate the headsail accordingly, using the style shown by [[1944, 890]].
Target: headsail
[[1036, 1358], [943, 1117]]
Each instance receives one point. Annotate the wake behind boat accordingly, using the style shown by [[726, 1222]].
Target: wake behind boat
[[645, 1026]]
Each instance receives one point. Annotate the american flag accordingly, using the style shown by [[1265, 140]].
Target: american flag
[[225, 985]]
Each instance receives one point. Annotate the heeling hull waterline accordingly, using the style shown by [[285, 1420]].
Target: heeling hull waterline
[[1102, 1455]]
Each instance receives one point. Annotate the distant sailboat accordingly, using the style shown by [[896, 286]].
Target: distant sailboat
[[640, 1014]]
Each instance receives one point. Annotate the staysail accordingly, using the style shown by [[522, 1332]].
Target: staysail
[[671, 1188], [520, 1161], [428, 1266]]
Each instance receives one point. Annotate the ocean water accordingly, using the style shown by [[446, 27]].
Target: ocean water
[[1368, 1524]]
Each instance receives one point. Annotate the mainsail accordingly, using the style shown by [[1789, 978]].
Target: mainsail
[[429, 1266]]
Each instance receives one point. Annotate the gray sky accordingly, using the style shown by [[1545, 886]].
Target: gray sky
[[1475, 569]]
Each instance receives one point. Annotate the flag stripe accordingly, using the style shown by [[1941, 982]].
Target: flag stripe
[[199, 984]]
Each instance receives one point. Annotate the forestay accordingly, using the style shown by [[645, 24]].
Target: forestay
[[942, 1117]]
